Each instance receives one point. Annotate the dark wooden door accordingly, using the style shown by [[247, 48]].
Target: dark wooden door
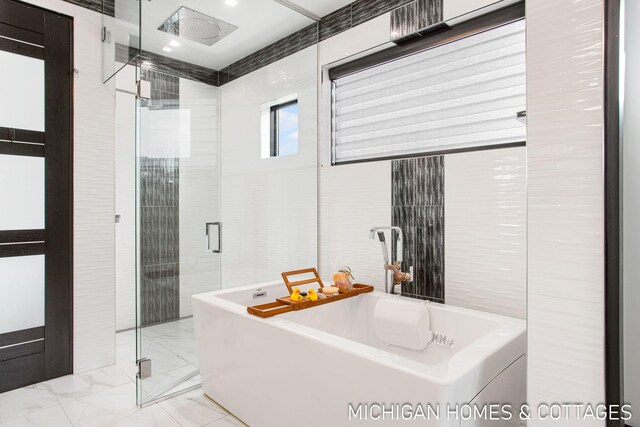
[[36, 286]]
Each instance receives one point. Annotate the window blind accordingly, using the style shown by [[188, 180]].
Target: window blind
[[463, 94]]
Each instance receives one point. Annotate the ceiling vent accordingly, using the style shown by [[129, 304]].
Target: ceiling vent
[[196, 26]]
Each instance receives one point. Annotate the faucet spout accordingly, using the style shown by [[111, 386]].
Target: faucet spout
[[398, 244]]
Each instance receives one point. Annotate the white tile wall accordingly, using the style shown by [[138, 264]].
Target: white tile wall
[[564, 40], [485, 210], [94, 235], [269, 206], [125, 193], [565, 355], [485, 273], [199, 192], [125, 206], [565, 241], [354, 198], [94, 290]]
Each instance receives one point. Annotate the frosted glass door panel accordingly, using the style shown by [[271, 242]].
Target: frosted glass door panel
[[22, 291], [21, 192], [21, 92]]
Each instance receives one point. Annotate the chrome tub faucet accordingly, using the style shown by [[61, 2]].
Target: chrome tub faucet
[[398, 275]]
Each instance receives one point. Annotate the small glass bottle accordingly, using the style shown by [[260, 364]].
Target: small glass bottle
[[342, 280]]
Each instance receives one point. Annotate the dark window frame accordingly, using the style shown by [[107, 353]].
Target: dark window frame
[[274, 128]]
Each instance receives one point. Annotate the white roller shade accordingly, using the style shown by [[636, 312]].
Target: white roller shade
[[459, 95]]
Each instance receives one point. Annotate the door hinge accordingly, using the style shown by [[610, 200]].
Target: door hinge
[[144, 368], [106, 35], [143, 89], [118, 219]]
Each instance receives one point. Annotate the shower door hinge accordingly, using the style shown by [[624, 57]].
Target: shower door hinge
[[106, 35], [118, 219], [144, 368], [143, 89]]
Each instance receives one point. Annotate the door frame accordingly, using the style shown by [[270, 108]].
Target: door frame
[[42, 353]]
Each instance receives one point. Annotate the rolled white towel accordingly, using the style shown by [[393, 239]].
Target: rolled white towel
[[402, 323]]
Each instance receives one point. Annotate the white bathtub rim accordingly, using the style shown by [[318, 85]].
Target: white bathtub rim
[[465, 362]]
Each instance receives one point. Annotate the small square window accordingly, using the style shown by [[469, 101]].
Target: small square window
[[284, 129]]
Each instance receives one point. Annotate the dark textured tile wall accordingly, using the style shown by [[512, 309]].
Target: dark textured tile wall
[[160, 293], [430, 12], [365, 10], [95, 5], [275, 51], [417, 188], [160, 216], [419, 13], [404, 21], [165, 65], [407, 21], [349, 16], [336, 22]]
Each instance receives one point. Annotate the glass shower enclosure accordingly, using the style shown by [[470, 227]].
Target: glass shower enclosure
[[203, 202]]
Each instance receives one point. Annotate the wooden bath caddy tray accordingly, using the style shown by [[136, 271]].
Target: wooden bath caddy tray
[[285, 305]]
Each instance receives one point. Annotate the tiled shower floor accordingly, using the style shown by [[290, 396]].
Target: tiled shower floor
[[107, 396], [172, 349]]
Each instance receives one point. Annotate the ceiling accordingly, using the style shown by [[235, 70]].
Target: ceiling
[[259, 22]]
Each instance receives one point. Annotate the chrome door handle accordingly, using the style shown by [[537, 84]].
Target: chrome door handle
[[208, 237]]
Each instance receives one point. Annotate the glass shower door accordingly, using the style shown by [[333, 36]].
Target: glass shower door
[[178, 227]]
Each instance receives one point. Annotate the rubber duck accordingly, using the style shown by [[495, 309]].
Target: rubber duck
[[295, 295], [311, 295]]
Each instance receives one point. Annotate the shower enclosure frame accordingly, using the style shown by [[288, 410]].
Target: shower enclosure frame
[[139, 90]]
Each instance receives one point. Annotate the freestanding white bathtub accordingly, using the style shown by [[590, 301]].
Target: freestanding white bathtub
[[305, 368]]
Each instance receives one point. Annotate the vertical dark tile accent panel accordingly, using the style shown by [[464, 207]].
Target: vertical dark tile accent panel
[[404, 20], [159, 216], [365, 10], [430, 12], [336, 22], [417, 190], [159, 293], [410, 20]]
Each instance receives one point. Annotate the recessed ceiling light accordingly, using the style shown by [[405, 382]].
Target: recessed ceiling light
[[167, 49], [174, 43], [231, 3]]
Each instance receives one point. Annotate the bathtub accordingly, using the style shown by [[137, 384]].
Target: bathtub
[[324, 366]]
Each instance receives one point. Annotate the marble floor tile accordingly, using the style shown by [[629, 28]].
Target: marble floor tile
[[228, 421], [187, 321], [26, 400], [149, 416], [49, 417], [193, 409], [170, 379], [119, 400], [83, 414], [86, 384], [192, 382], [175, 328]]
